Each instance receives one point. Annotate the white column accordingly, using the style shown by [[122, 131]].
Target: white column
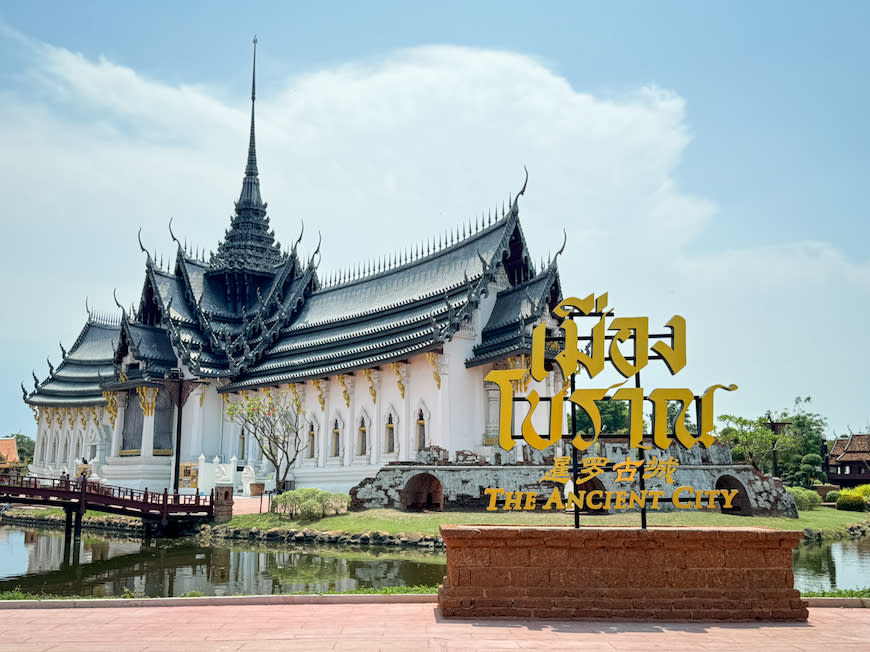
[[376, 426], [325, 426], [147, 447], [351, 426], [409, 448], [196, 404], [118, 429]]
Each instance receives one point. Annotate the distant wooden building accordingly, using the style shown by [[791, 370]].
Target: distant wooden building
[[849, 461]]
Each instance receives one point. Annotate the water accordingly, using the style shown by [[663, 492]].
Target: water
[[32, 560], [836, 565]]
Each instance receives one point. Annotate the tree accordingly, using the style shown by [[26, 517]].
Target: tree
[[808, 429], [752, 441], [26, 446], [275, 421], [614, 417], [809, 471]]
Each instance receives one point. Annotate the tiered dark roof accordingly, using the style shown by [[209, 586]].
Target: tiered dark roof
[[258, 317], [76, 382]]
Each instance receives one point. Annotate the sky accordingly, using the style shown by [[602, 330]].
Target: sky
[[708, 160]]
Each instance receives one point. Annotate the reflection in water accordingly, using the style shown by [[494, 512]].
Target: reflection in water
[[835, 565], [32, 559], [173, 567]]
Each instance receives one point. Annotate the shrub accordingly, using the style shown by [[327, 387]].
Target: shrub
[[832, 496], [311, 510], [805, 499], [851, 503], [292, 502], [862, 490], [337, 502]]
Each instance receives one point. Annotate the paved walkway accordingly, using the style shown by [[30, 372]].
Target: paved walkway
[[397, 627]]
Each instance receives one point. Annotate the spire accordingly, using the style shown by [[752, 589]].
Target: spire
[[251, 185], [249, 244], [251, 168]]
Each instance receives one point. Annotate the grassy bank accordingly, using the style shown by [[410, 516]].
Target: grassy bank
[[386, 590], [829, 521]]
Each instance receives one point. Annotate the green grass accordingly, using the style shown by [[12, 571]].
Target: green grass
[[395, 521], [57, 512], [385, 590], [838, 593]]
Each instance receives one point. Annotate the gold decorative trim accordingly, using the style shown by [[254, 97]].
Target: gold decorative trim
[[320, 399], [162, 452], [35, 412], [111, 406], [147, 399], [432, 358], [202, 389], [344, 391], [133, 452], [398, 372], [95, 415], [83, 418], [368, 375]]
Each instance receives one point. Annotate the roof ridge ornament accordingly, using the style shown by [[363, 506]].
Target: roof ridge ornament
[[171, 234], [141, 246]]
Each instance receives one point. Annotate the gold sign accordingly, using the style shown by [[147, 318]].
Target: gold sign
[[628, 470], [630, 350], [572, 361]]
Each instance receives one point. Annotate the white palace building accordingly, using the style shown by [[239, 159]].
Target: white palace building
[[386, 361]]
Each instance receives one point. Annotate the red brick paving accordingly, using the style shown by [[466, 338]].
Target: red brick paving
[[397, 627]]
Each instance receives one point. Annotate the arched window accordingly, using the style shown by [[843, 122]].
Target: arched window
[[391, 434], [363, 443], [421, 430], [311, 439], [336, 439]]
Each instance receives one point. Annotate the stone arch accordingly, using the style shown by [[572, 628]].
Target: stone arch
[[593, 484], [740, 505], [423, 491]]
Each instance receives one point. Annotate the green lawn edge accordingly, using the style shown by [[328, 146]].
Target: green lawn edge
[[830, 523]]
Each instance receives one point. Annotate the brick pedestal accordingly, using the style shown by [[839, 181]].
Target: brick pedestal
[[223, 502], [620, 573]]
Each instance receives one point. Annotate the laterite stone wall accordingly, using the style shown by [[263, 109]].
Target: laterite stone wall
[[620, 573]]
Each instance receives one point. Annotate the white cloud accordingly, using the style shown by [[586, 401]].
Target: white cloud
[[380, 154]]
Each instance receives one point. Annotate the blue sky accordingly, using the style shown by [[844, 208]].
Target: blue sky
[[756, 118]]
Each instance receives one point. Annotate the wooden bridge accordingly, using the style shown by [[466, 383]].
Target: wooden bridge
[[76, 497]]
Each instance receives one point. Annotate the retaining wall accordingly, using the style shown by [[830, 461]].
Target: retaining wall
[[620, 573]]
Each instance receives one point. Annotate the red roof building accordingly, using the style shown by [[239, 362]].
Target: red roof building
[[849, 461]]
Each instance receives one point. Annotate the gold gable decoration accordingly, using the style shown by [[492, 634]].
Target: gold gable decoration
[[433, 360], [320, 399], [111, 406], [344, 391], [368, 376], [147, 399], [398, 371]]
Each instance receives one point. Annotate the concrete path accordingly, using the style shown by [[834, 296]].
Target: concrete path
[[398, 627]]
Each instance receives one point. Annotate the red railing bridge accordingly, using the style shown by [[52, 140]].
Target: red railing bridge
[[76, 497]]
